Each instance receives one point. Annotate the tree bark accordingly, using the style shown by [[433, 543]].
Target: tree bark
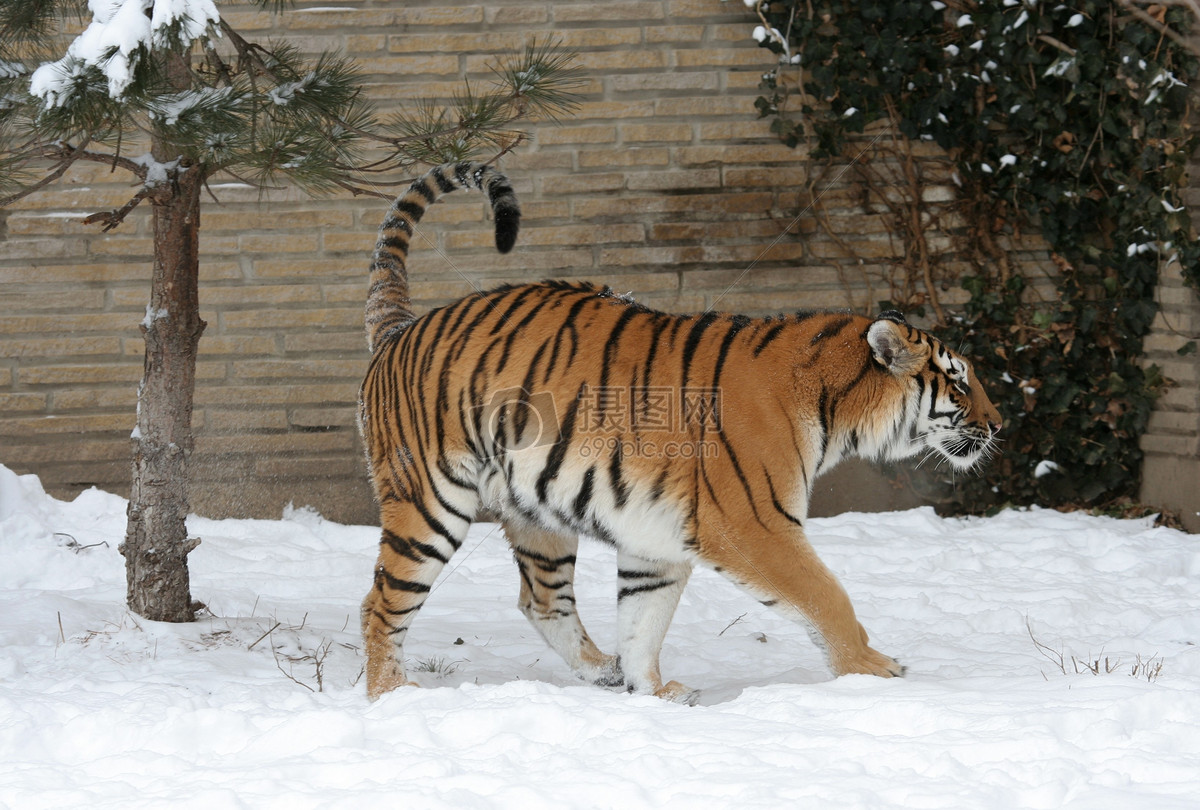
[[156, 542]]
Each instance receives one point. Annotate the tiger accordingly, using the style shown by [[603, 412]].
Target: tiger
[[565, 409]]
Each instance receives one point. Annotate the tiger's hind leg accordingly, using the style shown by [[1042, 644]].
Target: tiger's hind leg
[[546, 562], [649, 593], [415, 546]]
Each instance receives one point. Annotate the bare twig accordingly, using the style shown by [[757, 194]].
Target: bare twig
[[112, 219], [731, 624], [264, 635]]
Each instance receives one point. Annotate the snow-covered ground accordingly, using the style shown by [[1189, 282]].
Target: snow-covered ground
[[260, 703]]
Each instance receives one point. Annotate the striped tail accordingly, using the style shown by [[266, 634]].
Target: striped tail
[[389, 308]]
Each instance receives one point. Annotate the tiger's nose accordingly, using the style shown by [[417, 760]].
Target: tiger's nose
[[994, 425]]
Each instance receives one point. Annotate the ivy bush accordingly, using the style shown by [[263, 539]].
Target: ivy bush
[[1065, 117]]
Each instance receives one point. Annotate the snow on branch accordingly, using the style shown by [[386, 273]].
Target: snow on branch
[[120, 33]]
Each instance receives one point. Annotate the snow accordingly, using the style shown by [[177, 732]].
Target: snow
[[101, 709], [116, 37]]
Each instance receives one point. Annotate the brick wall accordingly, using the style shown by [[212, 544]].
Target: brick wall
[[664, 185]]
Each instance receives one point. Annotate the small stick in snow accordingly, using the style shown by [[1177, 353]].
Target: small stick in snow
[[264, 635]]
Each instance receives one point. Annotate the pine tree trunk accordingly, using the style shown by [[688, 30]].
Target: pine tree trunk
[[156, 542]]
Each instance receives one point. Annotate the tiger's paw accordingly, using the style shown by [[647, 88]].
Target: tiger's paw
[[380, 684], [676, 692], [872, 662], [608, 674]]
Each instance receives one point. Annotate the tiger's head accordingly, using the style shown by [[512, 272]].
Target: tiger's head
[[946, 410]]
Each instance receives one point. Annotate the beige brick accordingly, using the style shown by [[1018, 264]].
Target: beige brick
[[59, 347], [314, 268], [118, 322], [707, 8], [215, 345], [701, 231], [21, 402], [556, 136], [290, 318], [279, 393], [247, 20], [348, 343], [224, 420], [484, 42], [58, 448], [583, 183], [437, 15], [267, 444], [702, 254], [675, 180], [306, 369], [49, 425], [604, 62], [775, 176], [324, 417], [631, 156], [596, 12], [755, 154], [618, 110], [703, 107], [279, 243], [756, 58], [324, 468], [6, 377], [660, 34], [15, 249], [49, 299], [563, 235], [769, 303], [121, 398], [359, 44], [304, 220], [755, 202], [673, 133], [528, 14], [734, 130], [256, 295], [664, 82]]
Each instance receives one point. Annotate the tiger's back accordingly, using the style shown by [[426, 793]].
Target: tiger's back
[[568, 410]]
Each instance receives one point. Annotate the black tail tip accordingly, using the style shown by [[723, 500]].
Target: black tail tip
[[508, 223]]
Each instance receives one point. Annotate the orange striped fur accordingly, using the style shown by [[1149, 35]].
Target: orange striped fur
[[569, 410]]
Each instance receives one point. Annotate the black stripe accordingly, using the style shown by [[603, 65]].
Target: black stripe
[[545, 563], [830, 330], [736, 325], [619, 488], [442, 181], [693, 341], [558, 452], [414, 210], [610, 350], [585, 493], [397, 584], [647, 588], [770, 336], [775, 501], [554, 586], [627, 574]]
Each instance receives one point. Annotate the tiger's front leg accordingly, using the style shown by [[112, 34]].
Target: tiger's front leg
[[648, 594], [784, 573]]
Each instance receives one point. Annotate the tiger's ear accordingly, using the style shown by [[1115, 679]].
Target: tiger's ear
[[891, 347]]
